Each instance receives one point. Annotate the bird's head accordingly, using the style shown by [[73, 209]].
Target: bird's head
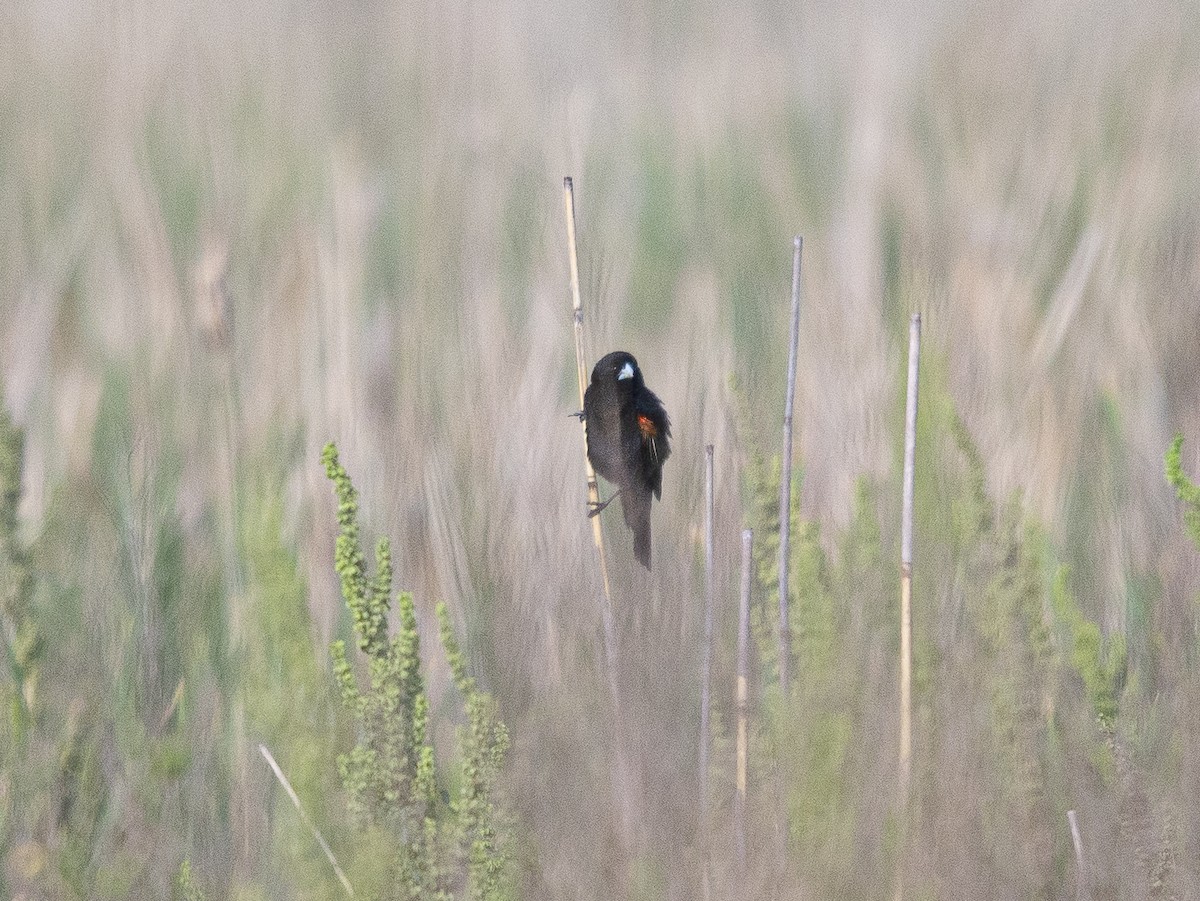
[[618, 368]]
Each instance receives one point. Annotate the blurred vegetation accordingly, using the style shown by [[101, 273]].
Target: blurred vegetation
[[1187, 490], [1020, 697], [185, 884], [227, 231], [418, 844], [21, 641]]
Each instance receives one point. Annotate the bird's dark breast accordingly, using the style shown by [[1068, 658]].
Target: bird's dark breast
[[603, 422]]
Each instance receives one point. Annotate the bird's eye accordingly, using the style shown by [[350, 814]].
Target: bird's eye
[[626, 371]]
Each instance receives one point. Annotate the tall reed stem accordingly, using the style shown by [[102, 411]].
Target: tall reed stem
[[785, 480], [906, 555], [743, 655], [581, 371], [622, 785], [906, 575], [706, 666]]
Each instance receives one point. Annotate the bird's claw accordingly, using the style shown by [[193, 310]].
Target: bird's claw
[[579, 415], [597, 507]]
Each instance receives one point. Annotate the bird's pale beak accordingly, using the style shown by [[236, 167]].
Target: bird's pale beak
[[626, 372]]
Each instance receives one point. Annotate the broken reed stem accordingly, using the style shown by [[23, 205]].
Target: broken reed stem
[[622, 786], [785, 480], [706, 666], [743, 653], [287, 787], [906, 574], [1077, 841]]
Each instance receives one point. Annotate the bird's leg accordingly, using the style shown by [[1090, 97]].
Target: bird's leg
[[597, 507], [580, 415]]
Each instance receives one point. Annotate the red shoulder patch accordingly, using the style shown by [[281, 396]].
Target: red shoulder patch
[[646, 424]]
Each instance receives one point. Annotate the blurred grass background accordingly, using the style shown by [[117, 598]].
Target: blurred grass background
[[230, 232]]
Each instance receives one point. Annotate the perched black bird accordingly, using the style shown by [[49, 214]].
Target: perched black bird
[[628, 440]]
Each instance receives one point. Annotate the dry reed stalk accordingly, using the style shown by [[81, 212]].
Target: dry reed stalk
[[906, 568], [906, 555], [1077, 841], [622, 788], [743, 653], [785, 480], [291, 793], [581, 371], [706, 666]]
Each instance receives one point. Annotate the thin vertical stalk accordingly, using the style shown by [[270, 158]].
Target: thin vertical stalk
[[706, 666], [906, 574], [622, 785], [1077, 841], [785, 480], [581, 370], [906, 556], [743, 648]]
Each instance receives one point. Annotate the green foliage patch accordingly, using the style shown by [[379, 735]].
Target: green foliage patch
[[422, 844], [1187, 490]]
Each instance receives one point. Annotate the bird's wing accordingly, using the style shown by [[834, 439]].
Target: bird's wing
[[654, 426], [654, 439]]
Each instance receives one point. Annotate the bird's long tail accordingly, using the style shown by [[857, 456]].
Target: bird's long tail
[[635, 506]]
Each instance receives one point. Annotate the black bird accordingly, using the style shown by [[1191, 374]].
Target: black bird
[[628, 440]]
